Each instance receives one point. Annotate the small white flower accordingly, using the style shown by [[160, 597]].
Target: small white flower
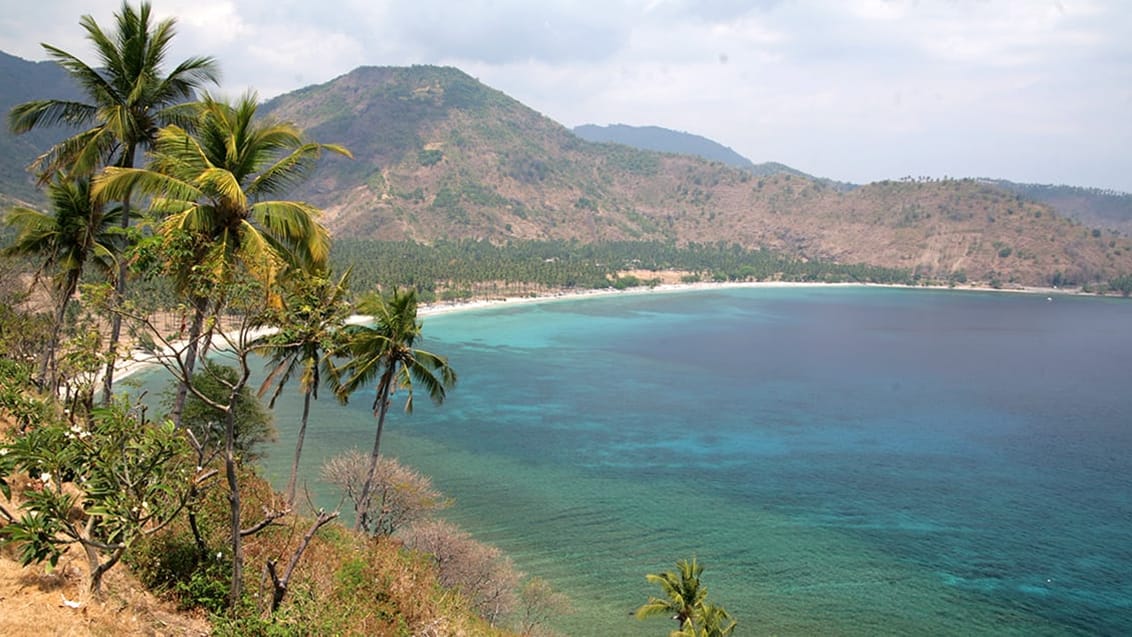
[[46, 477], [3, 451]]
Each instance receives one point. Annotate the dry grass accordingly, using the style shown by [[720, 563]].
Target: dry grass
[[34, 601]]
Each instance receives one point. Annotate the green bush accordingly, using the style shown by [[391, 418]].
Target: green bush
[[172, 563], [429, 157], [254, 423]]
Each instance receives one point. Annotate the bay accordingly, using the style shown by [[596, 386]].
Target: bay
[[841, 460]]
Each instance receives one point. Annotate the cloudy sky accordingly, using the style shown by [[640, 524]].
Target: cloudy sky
[[855, 90]]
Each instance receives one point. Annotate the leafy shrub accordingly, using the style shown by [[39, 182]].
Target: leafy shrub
[[254, 423], [430, 156], [172, 563], [130, 475]]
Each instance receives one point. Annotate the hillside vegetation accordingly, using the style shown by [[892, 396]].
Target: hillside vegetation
[[440, 155], [1090, 206]]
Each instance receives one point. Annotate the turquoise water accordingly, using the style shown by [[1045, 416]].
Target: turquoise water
[[850, 461]]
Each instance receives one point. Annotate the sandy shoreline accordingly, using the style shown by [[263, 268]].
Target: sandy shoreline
[[138, 360]]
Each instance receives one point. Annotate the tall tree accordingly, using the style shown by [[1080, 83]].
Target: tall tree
[[312, 311], [213, 185], [384, 352], [127, 100], [76, 232], [685, 601]]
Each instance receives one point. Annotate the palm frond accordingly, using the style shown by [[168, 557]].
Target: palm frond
[[46, 113]]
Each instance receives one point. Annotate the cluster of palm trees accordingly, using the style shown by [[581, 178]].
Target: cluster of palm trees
[[210, 173], [128, 100]]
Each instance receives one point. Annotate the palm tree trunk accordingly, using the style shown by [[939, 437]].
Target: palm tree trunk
[[298, 449], [47, 371], [382, 403], [115, 337], [119, 293], [235, 591], [200, 308]]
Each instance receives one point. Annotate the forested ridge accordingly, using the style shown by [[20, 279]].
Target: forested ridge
[[462, 268]]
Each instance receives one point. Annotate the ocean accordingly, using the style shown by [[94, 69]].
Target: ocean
[[841, 460]]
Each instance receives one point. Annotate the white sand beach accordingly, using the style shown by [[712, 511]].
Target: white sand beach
[[137, 360]]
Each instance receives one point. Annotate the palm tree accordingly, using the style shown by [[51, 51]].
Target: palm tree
[[214, 185], [715, 621], [75, 233], [128, 100], [685, 602], [384, 352], [313, 311]]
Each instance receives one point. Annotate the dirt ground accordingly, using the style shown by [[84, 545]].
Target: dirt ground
[[35, 601]]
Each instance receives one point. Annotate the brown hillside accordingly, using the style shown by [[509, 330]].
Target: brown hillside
[[438, 154]]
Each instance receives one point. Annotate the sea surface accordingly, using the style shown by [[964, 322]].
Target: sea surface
[[842, 460]]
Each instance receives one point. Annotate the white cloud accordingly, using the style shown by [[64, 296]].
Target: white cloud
[[856, 89]]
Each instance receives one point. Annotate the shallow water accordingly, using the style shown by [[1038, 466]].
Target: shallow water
[[845, 461]]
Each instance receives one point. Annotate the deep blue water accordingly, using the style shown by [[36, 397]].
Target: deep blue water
[[851, 461]]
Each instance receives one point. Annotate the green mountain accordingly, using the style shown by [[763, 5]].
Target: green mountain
[[1091, 206], [440, 155], [666, 140], [23, 81]]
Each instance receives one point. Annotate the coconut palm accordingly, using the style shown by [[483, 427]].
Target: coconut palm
[[313, 311], [76, 232], [214, 187], [714, 621], [127, 100], [685, 602], [384, 352]]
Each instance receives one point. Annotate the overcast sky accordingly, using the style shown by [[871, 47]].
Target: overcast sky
[[855, 90]]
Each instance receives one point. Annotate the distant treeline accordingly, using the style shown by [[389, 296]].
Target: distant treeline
[[452, 269]]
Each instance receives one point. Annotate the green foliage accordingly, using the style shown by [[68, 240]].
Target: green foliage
[[429, 156], [132, 475], [468, 264], [626, 282], [685, 601], [171, 562], [637, 162], [18, 399], [254, 423], [1122, 284], [585, 203], [384, 354], [23, 335]]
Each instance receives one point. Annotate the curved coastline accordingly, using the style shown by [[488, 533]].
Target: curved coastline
[[138, 360], [791, 602]]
